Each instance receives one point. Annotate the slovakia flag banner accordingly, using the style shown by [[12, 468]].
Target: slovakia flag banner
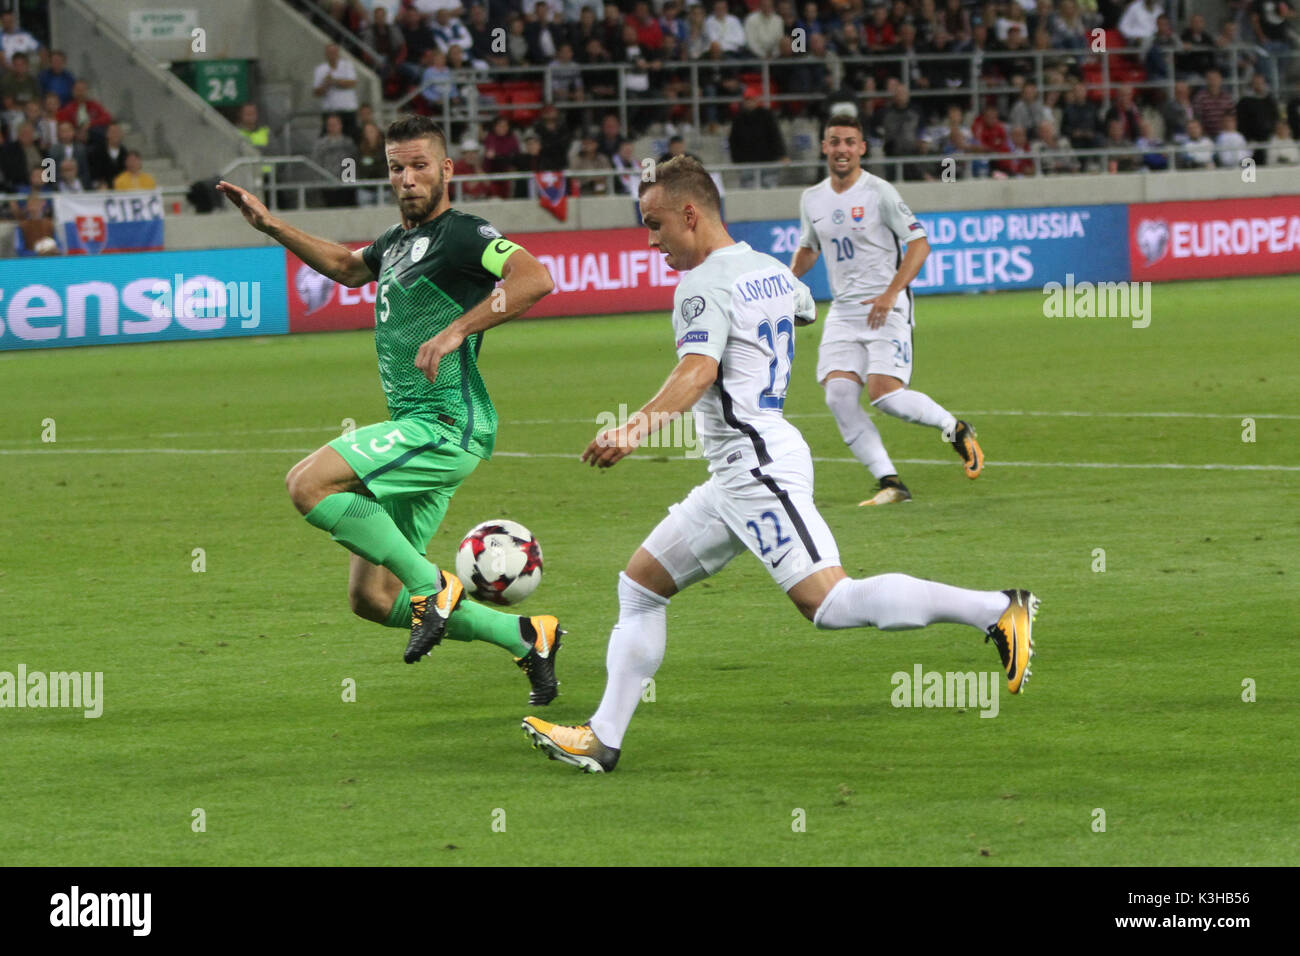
[[97, 222], [553, 193]]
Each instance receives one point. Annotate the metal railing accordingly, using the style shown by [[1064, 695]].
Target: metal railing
[[974, 83]]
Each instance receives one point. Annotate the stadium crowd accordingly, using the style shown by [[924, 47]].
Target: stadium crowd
[[1167, 88]]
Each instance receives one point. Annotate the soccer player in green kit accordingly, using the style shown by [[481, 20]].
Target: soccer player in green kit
[[382, 490]]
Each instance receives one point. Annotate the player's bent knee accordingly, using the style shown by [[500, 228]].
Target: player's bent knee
[[370, 605]]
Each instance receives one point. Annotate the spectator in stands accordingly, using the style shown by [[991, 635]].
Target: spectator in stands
[[1163, 51], [56, 78], [1124, 110], [1049, 140], [47, 127], [13, 40], [133, 177], [19, 83], [480, 34], [956, 140], [501, 154], [372, 163], [543, 36], [436, 84], [611, 138], [386, 39], [418, 38], [449, 30], [582, 31], [590, 158], [67, 147], [530, 162], [763, 31], [1138, 24], [628, 167], [1230, 145], [900, 122], [68, 179], [1270, 22], [1070, 27], [672, 23], [599, 84], [611, 32], [19, 157], [1198, 151], [566, 76], [1029, 111], [349, 14], [1227, 44], [37, 190], [86, 114], [725, 31], [334, 84], [1178, 112], [1282, 148], [1211, 103], [517, 40], [1198, 56], [1021, 162], [649, 34], [676, 147], [878, 35], [1118, 162], [1257, 113], [1153, 158], [697, 34], [1013, 19], [988, 133], [471, 164], [335, 152], [554, 136], [636, 81], [108, 159], [756, 138]]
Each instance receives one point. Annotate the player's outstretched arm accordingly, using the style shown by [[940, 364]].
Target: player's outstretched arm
[[330, 259], [524, 282], [688, 381]]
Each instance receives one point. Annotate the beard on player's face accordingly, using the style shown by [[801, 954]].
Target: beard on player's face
[[418, 208]]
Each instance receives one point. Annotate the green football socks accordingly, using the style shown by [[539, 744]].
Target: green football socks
[[475, 622], [363, 527]]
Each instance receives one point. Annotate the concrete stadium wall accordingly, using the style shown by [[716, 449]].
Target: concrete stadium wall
[[523, 215], [230, 25]]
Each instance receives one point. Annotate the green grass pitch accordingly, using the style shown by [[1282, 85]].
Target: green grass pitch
[[224, 689]]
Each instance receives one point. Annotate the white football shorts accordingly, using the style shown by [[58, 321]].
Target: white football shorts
[[774, 518], [849, 346]]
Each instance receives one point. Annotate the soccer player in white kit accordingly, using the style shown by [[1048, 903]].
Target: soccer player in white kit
[[861, 223], [733, 322]]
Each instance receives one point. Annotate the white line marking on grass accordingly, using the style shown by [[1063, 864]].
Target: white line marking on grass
[[943, 462]]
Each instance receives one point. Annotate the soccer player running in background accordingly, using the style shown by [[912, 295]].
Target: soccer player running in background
[[733, 321], [862, 224], [382, 490]]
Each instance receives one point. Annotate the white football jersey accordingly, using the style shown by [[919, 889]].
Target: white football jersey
[[861, 233], [741, 307]]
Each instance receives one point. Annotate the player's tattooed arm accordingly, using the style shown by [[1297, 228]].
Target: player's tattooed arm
[[908, 270], [687, 383], [330, 259], [524, 282]]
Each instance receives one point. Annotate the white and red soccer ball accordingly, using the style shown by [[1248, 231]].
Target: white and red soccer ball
[[499, 562]]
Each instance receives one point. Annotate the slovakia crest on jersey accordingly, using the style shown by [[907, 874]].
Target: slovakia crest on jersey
[[857, 212], [420, 247], [837, 216]]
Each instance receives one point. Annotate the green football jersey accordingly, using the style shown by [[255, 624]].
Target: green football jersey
[[428, 277]]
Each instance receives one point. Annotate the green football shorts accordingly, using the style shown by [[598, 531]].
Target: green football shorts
[[411, 469]]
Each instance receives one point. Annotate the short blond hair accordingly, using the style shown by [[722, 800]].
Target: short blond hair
[[685, 178]]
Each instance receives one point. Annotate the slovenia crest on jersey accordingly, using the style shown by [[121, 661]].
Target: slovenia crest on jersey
[[691, 308], [489, 231], [419, 248], [837, 216], [857, 212]]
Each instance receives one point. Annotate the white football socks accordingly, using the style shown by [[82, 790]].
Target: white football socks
[[844, 398], [636, 649], [918, 407], [896, 602]]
